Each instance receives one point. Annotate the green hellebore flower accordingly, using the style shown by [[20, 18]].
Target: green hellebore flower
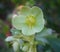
[[29, 20]]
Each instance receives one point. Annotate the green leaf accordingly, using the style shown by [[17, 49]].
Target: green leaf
[[55, 44], [48, 51], [15, 31], [42, 41], [41, 36], [45, 32]]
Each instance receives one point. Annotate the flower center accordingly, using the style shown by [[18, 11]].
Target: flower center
[[30, 21]]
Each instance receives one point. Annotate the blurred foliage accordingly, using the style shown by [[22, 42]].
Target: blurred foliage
[[51, 40], [23, 2], [55, 44], [4, 28]]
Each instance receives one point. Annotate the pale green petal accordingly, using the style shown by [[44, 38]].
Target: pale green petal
[[28, 31], [35, 11], [18, 21], [40, 22], [39, 26], [31, 31], [25, 10], [39, 18]]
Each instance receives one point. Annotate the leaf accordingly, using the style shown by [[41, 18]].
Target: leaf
[[15, 32], [45, 32], [41, 36], [40, 48], [42, 41], [55, 44]]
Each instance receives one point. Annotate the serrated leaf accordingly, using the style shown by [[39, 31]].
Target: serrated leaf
[[45, 32], [41, 36]]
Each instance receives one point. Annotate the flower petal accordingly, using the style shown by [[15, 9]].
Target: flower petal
[[28, 31], [18, 21], [25, 10], [39, 27], [40, 22], [35, 11]]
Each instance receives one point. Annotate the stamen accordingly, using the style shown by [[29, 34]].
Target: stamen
[[30, 21]]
